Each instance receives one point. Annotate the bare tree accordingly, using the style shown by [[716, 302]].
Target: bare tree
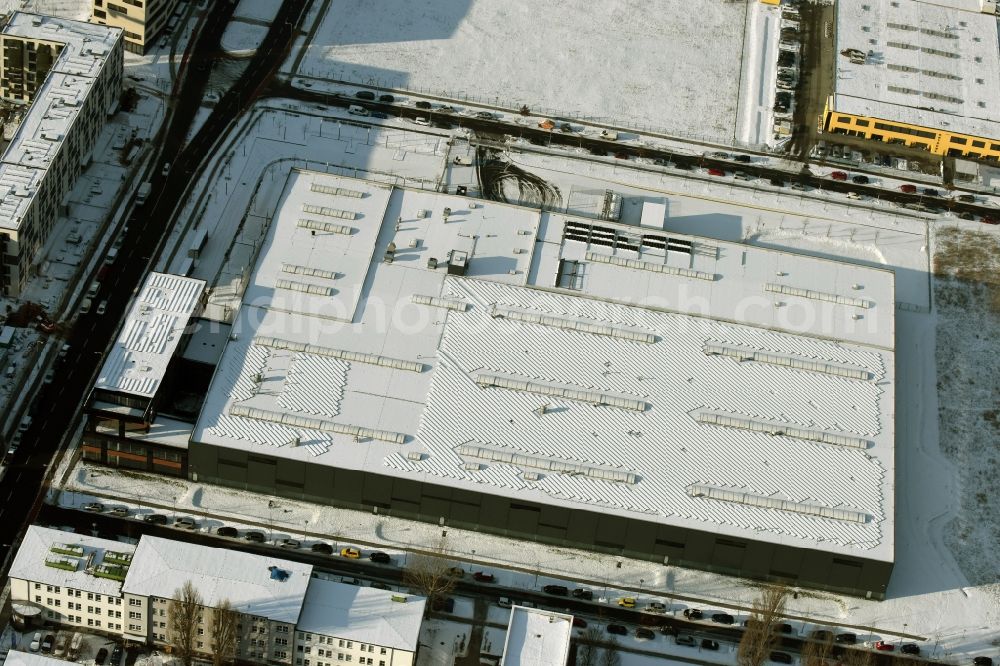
[[225, 636], [610, 656], [858, 657], [431, 575], [586, 655], [815, 652], [758, 637], [184, 614]]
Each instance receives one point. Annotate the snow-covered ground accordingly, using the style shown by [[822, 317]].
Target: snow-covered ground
[[71, 9], [669, 65], [760, 64]]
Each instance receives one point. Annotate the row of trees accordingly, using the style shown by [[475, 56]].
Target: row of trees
[[186, 615]]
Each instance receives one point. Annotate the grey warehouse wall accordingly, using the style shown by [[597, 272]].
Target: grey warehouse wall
[[577, 528]]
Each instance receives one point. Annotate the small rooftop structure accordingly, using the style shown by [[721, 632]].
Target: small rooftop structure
[[537, 638], [66, 559], [934, 64], [150, 335], [161, 566], [363, 614]]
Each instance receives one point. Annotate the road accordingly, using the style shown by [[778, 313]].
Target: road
[[54, 408]]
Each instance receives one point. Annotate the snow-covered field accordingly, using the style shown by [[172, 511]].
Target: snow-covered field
[[671, 65]]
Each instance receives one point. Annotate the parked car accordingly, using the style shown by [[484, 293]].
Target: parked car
[[226, 531], [909, 648], [821, 635], [800, 186], [456, 572], [116, 654], [351, 553], [95, 507], [644, 633], [908, 188], [47, 643], [716, 172], [291, 544], [983, 661], [155, 519], [966, 198], [709, 644], [483, 577], [579, 622], [420, 120], [860, 180], [49, 377], [484, 115], [446, 605], [387, 99], [656, 607], [781, 657], [693, 614], [380, 558], [745, 159], [742, 175], [255, 536], [101, 657], [322, 548], [617, 629], [847, 638], [838, 175], [379, 115], [777, 182], [627, 602], [882, 646], [422, 105], [36, 642], [102, 307], [119, 511], [379, 585], [186, 523], [931, 192], [986, 219], [685, 640], [723, 618], [580, 593], [557, 590], [668, 630], [365, 94]]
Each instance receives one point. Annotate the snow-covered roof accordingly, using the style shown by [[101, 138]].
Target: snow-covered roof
[[537, 638], [18, 658], [66, 559], [928, 64], [256, 585], [686, 381], [150, 335], [56, 104], [363, 614]]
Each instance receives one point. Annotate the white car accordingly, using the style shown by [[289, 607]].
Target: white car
[[420, 120], [49, 376], [102, 307], [36, 641]]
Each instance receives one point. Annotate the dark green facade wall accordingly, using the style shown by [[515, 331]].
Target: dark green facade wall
[[576, 528]]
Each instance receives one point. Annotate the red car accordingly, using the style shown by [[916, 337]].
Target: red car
[[579, 622], [838, 175], [989, 220], [909, 189], [483, 577], [884, 647], [716, 172]]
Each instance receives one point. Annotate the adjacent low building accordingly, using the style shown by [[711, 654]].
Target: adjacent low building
[[284, 615], [560, 379], [537, 638], [920, 74], [70, 75]]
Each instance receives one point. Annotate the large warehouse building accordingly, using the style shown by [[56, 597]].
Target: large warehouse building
[[582, 383], [922, 74]]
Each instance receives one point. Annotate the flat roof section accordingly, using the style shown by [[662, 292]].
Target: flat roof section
[[726, 281], [928, 64], [54, 557], [537, 638], [150, 335], [363, 614], [257, 585]]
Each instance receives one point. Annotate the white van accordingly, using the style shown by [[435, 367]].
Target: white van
[[356, 110]]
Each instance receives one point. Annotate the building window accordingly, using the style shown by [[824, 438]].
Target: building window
[[134, 615], [960, 140], [133, 602], [861, 123], [201, 644]]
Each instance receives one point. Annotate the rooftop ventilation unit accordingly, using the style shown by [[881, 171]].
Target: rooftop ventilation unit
[[818, 295], [330, 227], [562, 466], [766, 502], [779, 429], [307, 270], [312, 423], [329, 212], [435, 301], [306, 288], [344, 355], [741, 353], [337, 191], [278, 574], [488, 379], [649, 266], [565, 323]]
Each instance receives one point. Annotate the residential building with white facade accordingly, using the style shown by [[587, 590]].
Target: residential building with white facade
[[141, 20], [70, 74], [349, 624], [74, 579]]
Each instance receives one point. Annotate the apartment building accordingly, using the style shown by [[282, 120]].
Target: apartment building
[[70, 75], [73, 580], [141, 20], [348, 624]]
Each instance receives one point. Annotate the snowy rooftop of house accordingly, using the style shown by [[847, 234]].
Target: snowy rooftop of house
[[928, 64], [18, 658], [742, 396], [363, 614], [255, 585], [151, 332], [66, 559], [57, 102], [537, 638]]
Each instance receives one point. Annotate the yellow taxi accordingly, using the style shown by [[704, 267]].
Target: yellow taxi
[[352, 553], [626, 602]]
